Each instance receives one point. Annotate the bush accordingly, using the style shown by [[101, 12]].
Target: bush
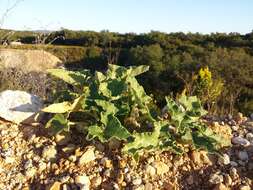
[[207, 88], [40, 84], [113, 105]]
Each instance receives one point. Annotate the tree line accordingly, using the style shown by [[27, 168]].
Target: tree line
[[175, 60]]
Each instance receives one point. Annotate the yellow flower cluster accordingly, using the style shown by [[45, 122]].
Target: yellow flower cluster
[[205, 74]]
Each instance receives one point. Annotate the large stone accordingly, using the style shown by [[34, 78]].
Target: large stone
[[19, 106], [28, 60]]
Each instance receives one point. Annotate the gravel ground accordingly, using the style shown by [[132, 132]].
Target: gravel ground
[[29, 159]]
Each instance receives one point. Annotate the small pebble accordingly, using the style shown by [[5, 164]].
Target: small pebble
[[243, 155], [82, 181], [224, 159], [137, 181], [244, 187], [240, 141], [216, 178], [49, 153], [249, 136]]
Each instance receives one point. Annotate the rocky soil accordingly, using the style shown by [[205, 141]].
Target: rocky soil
[[30, 159]]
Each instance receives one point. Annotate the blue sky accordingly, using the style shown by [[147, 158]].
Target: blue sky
[[137, 16]]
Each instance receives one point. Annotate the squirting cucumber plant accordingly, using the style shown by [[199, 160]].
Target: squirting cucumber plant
[[114, 105]]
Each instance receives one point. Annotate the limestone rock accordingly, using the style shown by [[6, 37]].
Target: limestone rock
[[240, 141], [19, 106], [87, 157], [28, 60], [83, 182], [54, 186], [216, 178], [49, 153], [137, 181], [62, 138], [200, 158], [224, 159], [150, 170], [221, 186], [244, 187], [161, 168]]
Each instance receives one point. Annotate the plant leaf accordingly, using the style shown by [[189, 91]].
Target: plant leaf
[[62, 107], [74, 78], [114, 129], [96, 131], [58, 124], [146, 140]]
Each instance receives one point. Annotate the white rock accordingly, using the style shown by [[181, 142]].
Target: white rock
[[235, 127], [242, 163], [28, 60], [161, 168], [30, 172], [83, 182], [150, 170], [148, 186], [243, 155], [216, 179], [244, 187], [234, 164], [233, 173], [19, 106], [139, 187], [249, 136], [224, 159], [87, 157], [9, 160], [137, 181], [240, 141], [49, 153], [228, 180], [62, 138]]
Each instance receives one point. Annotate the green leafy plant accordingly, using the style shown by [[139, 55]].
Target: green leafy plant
[[113, 105]]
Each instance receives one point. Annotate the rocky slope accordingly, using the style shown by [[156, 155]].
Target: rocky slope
[[29, 159]]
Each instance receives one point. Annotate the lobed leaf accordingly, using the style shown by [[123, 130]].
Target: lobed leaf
[[58, 124], [62, 107]]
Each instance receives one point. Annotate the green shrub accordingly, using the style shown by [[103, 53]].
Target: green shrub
[[207, 88], [38, 83], [113, 105]]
